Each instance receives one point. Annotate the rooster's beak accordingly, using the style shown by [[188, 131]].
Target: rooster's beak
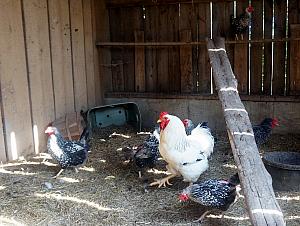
[[158, 121]]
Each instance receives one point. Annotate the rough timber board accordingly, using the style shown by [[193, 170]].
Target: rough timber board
[[151, 23], [294, 61], [14, 83], [256, 49], [89, 53], [39, 68], [102, 59], [268, 9], [61, 56], [78, 55], [139, 59], [278, 81], [255, 180]]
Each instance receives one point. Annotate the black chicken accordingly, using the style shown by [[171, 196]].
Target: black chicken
[[262, 132], [146, 154], [212, 194], [241, 23], [67, 153]]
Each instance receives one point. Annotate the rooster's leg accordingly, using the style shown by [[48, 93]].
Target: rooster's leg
[[202, 216], [242, 37], [163, 181], [236, 37], [76, 170], [58, 173], [140, 174]]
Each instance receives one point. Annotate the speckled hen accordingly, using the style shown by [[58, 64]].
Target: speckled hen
[[67, 153], [212, 194]]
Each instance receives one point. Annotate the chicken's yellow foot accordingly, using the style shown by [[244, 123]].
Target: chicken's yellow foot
[[163, 181]]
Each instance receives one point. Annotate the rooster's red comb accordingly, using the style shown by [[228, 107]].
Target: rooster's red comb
[[163, 113]]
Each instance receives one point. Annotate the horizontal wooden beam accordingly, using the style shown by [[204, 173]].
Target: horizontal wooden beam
[[262, 206], [193, 96], [164, 44], [128, 3]]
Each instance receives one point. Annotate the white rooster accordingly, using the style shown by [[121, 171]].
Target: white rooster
[[186, 155]]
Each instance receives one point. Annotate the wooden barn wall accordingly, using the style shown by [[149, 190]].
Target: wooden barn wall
[[48, 62], [263, 62]]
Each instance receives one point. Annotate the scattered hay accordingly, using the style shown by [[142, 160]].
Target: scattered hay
[[107, 191]]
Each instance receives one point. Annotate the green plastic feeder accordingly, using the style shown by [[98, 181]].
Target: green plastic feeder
[[115, 115]]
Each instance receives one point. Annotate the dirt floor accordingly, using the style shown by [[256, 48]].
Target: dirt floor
[[107, 191]]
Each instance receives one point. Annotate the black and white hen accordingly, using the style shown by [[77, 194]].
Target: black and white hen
[[212, 194], [240, 24], [262, 132], [66, 153], [189, 125]]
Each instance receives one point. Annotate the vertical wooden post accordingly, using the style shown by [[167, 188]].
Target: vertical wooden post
[[139, 62], [186, 62], [294, 60]]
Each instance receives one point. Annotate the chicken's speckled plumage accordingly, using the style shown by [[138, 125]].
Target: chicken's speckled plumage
[[212, 193], [67, 153]]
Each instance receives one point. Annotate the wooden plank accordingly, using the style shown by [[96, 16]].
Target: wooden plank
[[228, 11], [89, 53], [218, 15], [151, 26], [163, 53], [131, 20], [173, 63], [116, 53], [186, 62], [267, 73], [255, 180], [60, 40], [241, 57], [14, 83], [256, 49], [294, 60], [294, 18], [118, 83], [278, 81], [204, 79], [102, 59], [139, 63], [189, 21], [39, 68], [78, 54]]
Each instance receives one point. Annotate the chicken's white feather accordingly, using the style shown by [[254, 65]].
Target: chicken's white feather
[[186, 155]]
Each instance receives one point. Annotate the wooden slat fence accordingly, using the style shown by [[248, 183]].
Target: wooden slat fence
[[262, 68], [47, 69]]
